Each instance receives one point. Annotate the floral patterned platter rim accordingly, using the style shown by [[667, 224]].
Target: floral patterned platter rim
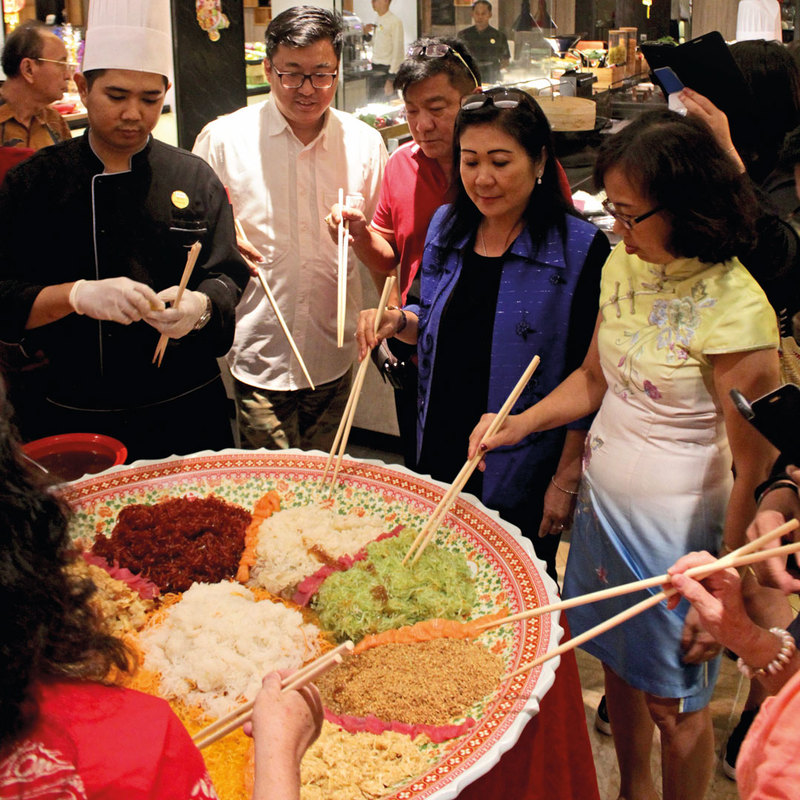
[[507, 571]]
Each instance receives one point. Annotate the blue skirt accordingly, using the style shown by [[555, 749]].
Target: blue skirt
[[646, 650]]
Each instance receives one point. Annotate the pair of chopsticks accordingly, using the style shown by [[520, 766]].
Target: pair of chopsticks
[[271, 297], [230, 722], [425, 536], [191, 260], [343, 433], [749, 553], [341, 285]]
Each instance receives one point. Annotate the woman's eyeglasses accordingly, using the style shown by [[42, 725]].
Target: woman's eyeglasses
[[626, 220], [440, 51], [505, 98]]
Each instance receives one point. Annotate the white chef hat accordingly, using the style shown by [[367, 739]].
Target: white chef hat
[[129, 34]]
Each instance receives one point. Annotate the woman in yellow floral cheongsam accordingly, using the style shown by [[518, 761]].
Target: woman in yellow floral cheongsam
[[681, 322]]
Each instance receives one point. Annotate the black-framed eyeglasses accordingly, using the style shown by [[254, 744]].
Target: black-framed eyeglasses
[[503, 98], [626, 220], [439, 50], [69, 66], [294, 80]]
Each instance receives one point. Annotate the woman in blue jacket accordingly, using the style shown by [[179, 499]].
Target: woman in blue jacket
[[509, 271]]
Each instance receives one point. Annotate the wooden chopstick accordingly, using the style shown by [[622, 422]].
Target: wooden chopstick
[[646, 583], [191, 260], [341, 279], [271, 297], [740, 557], [343, 432], [425, 536], [230, 722]]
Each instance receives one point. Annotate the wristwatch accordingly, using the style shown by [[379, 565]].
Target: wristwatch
[[205, 316]]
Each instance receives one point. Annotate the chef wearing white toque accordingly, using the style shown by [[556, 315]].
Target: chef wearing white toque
[[131, 207]]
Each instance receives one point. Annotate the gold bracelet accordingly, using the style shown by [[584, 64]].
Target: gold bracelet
[[560, 488]]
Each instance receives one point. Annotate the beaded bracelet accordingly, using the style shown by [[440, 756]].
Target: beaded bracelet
[[560, 488], [787, 650]]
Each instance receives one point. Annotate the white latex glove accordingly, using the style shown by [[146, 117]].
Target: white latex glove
[[114, 299], [177, 321]]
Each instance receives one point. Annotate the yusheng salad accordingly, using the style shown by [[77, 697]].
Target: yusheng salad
[[379, 592], [285, 545], [365, 591]]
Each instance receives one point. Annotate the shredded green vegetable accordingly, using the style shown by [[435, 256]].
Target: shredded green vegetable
[[379, 593]]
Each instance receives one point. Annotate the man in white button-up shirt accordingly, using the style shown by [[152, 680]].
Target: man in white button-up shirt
[[284, 162]]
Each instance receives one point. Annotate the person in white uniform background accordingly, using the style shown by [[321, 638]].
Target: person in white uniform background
[[387, 49]]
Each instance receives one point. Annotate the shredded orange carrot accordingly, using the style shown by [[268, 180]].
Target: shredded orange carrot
[[264, 508], [429, 629]]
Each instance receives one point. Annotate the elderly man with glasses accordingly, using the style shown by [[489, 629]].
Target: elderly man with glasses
[[37, 73], [284, 162]]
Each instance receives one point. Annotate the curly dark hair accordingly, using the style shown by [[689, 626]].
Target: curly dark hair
[[675, 162], [47, 628], [527, 124]]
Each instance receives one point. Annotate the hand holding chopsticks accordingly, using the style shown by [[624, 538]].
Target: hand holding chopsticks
[[425, 536], [191, 260], [743, 556], [749, 557], [229, 723], [342, 434], [271, 298]]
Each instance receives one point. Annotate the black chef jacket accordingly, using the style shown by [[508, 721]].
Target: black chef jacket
[[488, 47], [62, 219]]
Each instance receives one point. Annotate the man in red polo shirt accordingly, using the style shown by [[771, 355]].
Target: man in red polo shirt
[[437, 73]]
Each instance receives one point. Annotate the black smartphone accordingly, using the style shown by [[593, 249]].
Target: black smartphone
[[777, 416]]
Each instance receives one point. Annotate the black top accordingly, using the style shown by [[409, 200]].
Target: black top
[[488, 47], [774, 260], [137, 224], [460, 392]]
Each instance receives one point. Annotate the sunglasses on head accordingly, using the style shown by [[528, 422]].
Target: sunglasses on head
[[505, 98], [439, 50]]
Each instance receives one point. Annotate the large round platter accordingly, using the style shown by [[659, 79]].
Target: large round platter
[[507, 572]]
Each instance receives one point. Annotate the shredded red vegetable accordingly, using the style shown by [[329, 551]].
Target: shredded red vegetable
[[309, 586], [146, 589], [371, 724], [179, 541]]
